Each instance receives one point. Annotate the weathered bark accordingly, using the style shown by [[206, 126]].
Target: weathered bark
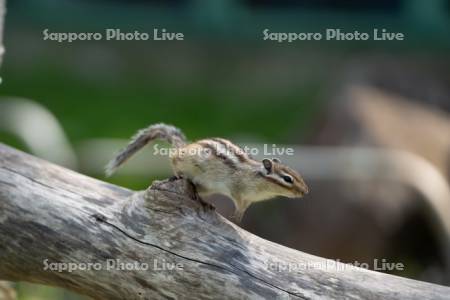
[[51, 214]]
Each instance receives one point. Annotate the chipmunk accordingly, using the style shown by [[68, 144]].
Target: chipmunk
[[217, 166]]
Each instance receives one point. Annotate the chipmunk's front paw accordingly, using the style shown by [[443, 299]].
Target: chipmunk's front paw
[[237, 217]]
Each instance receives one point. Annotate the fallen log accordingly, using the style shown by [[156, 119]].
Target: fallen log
[[61, 228]]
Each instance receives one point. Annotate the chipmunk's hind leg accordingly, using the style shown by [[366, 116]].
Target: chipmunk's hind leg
[[174, 178], [205, 204], [176, 174]]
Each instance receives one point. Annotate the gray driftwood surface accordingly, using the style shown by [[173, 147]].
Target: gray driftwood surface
[[50, 213]]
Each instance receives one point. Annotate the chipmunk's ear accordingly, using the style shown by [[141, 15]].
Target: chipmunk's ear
[[276, 160], [267, 163]]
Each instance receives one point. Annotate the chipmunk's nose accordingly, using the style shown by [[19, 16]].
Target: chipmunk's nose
[[303, 189], [306, 189]]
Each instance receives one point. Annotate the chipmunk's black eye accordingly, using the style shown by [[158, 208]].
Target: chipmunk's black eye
[[287, 178]]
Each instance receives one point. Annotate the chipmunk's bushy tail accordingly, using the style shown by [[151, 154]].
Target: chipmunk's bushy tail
[[161, 131]]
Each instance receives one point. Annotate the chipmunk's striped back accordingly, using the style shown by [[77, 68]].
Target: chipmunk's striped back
[[230, 154]]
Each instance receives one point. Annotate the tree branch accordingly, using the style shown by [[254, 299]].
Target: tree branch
[[51, 215]]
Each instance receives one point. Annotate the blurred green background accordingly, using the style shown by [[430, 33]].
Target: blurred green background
[[223, 80]]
